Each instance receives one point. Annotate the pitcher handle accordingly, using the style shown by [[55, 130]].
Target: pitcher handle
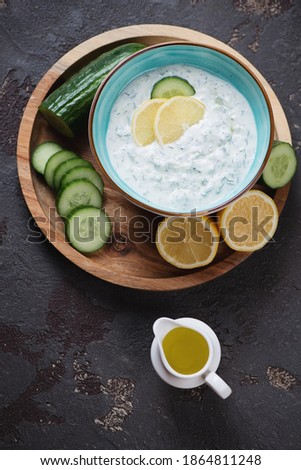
[[218, 385]]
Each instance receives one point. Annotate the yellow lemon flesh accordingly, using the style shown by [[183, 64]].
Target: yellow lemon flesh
[[187, 242], [143, 121], [248, 223], [175, 116]]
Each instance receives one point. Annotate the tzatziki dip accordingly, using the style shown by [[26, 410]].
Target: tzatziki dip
[[205, 164]]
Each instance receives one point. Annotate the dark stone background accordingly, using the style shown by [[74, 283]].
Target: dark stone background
[[74, 350]]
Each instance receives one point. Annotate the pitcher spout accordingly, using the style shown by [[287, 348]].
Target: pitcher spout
[[162, 326]]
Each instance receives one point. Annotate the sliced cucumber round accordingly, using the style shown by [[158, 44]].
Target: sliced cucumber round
[[88, 229], [80, 192], [64, 167], [54, 162], [168, 87], [42, 153], [83, 172], [281, 165]]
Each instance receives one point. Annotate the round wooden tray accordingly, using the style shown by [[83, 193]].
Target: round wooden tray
[[130, 259]]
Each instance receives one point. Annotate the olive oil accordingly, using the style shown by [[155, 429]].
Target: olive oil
[[186, 350]]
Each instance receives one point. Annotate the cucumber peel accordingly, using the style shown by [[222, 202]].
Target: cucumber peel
[[67, 108]]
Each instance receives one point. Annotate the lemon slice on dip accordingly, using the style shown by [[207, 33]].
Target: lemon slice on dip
[[248, 223], [187, 242], [175, 116], [143, 121]]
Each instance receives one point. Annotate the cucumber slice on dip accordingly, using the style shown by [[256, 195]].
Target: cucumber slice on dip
[[88, 229], [168, 87], [281, 165]]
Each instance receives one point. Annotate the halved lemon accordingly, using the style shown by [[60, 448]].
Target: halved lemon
[[143, 121], [250, 222], [175, 116], [187, 242]]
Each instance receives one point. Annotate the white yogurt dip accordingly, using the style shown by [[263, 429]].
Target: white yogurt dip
[[205, 164]]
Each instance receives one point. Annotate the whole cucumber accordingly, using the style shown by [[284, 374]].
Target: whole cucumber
[[67, 108]]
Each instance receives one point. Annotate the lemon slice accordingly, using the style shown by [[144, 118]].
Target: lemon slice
[[248, 223], [143, 121], [175, 116], [187, 242]]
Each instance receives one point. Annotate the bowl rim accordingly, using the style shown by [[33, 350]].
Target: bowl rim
[[174, 213]]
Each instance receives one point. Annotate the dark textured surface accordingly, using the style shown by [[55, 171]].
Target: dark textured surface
[[74, 351]]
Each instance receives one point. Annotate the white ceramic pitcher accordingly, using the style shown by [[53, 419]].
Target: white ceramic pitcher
[[164, 325]]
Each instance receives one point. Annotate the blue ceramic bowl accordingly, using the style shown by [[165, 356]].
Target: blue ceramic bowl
[[207, 58]]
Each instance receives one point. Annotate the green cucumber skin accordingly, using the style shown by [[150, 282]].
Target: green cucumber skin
[[71, 101], [277, 142]]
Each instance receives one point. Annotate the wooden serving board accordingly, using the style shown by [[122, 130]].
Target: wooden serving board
[[127, 261]]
